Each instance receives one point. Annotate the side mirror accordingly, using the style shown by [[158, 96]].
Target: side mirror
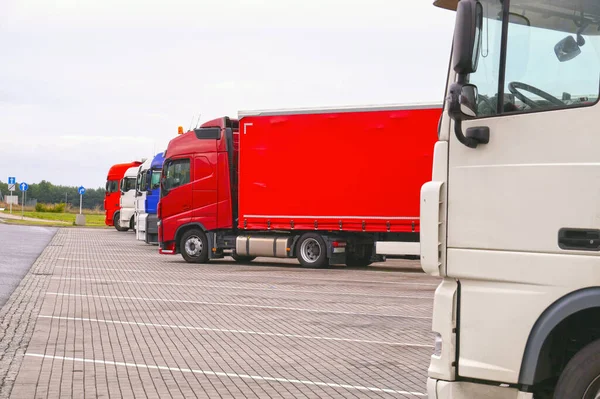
[[567, 49], [467, 36], [463, 101]]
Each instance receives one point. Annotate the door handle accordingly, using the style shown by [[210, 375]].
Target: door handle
[[579, 239], [185, 208]]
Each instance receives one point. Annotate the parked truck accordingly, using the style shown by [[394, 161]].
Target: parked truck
[[112, 204], [141, 188], [511, 219], [313, 184], [152, 196], [127, 199]]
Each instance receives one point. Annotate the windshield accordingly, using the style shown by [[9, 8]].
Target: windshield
[[550, 61], [155, 181], [112, 186]]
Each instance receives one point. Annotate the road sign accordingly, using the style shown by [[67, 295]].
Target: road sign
[[23, 186], [11, 186], [12, 180], [12, 199], [81, 190]]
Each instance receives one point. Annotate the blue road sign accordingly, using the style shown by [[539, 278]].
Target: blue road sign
[[23, 186], [81, 190], [12, 180]]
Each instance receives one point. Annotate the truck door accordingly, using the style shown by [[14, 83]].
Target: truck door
[[523, 207], [176, 201]]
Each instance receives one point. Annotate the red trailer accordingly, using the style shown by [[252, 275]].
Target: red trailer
[[112, 195], [325, 186]]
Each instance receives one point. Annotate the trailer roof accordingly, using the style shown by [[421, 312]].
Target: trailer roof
[[327, 110]]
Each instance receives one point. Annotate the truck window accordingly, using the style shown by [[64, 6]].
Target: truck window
[[141, 182], [155, 179], [548, 64], [128, 183], [112, 186], [177, 173]]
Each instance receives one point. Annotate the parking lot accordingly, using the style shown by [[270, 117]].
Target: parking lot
[[103, 315]]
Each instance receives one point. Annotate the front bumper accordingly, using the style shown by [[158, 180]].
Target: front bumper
[[438, 389]]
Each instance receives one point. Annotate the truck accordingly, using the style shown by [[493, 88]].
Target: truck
[[127, 199], [141, 188], [152, 196], [310, 184], [510, 219], [112, 196]]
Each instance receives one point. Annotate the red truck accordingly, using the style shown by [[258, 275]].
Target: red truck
[[113, 193], [330, 186]]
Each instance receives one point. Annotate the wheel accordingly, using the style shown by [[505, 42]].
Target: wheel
[[311, 251], [194, 246], [354, 259], [116, 218], [242, 259], [581, 378]]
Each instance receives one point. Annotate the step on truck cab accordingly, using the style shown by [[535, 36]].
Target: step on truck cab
[[305, 184], [127, 200], [141, 188], [511, 219], [112, 196], [152, 198]]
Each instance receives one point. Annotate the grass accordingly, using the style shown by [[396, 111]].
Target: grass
[[91, 220]]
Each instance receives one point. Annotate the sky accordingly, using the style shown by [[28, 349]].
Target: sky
[[86, 84]]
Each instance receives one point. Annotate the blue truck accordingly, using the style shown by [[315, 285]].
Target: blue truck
[[152, 197]]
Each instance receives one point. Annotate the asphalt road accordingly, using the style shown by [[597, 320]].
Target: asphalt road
[[19, 248]]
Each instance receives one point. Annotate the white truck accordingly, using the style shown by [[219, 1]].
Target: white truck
[[511, 217], [127, 200], [141, 188]]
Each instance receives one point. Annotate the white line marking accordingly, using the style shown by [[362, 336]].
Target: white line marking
[[261, 276], [333, 217], [239, 288], [237, 331], [237, 304], [230, 375]]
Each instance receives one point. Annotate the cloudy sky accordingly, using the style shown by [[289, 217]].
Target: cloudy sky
[[90, 83]]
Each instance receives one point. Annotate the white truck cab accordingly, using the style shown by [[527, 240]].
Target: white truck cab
[[511, 218], [127, 201], [141, 188]]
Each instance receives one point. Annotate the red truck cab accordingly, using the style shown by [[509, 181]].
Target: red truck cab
[[113, 194]]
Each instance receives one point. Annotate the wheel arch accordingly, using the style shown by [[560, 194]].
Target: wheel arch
[[570, 305], [185, 227]]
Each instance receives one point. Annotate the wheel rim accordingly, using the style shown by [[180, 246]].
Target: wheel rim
[[593, 390], [193, 246], [310, 250]]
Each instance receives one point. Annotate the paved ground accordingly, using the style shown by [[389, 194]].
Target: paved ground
[[103, 315], [20, 246]]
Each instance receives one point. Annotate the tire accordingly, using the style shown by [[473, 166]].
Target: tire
[[581, 377], [194, 246], [116, 218], [242, 259], [132, 225], [311, 251]]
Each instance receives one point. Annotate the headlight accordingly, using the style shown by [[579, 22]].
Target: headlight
[[437, 350]]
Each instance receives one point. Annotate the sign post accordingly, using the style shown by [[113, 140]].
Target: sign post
[[23, 186], [80, 219], [12, 181]]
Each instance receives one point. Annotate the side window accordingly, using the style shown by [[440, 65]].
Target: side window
[[155, 179], [142, 184], [546, 67], [177, 173]]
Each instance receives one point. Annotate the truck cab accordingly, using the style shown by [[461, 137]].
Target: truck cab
[[127, 200], [141, 188], [112, 196], [152, 198], [511, 219]]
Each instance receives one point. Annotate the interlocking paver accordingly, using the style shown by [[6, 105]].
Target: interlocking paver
[[103, 315]]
